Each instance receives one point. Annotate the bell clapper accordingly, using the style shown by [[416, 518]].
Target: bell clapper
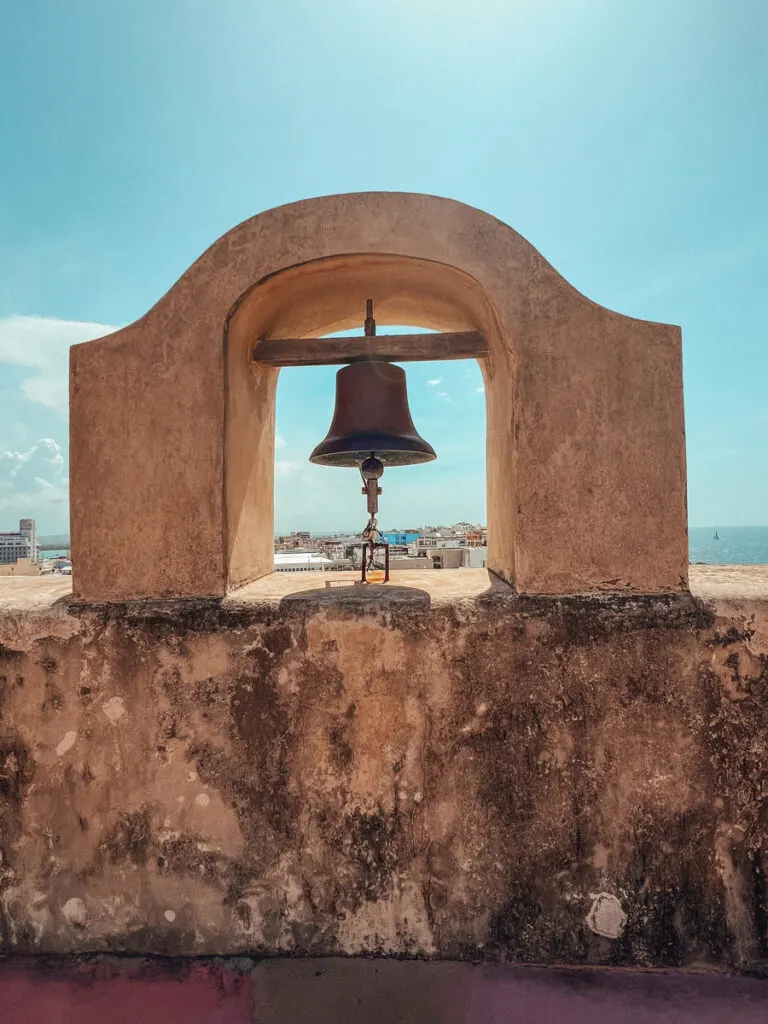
[[371, 470]]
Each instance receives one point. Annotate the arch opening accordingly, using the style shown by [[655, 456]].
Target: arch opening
[[447, 402], [324, 297]]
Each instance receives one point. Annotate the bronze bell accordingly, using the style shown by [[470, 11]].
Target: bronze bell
[[372, 418]]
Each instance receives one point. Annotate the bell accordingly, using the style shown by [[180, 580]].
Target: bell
[[372, 418]]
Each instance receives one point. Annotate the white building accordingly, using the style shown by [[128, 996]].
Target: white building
[[301, 561], [21, 544], [478, 558], [439, 540]]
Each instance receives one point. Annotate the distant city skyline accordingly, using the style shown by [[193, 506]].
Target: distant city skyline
[[625, 141]]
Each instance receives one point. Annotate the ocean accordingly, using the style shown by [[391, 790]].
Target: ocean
[[737, 545]]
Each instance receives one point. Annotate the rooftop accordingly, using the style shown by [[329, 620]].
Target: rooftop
[[732, 583]]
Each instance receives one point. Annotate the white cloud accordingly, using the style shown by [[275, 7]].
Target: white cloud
[[434, 383], [443, 395], [479, 391], [33, 478], [280, 442], [17, 460], [286, 468], [33, 482], [50, 451], [41, 344]]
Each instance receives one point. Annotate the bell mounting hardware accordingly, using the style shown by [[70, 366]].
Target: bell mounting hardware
[[370, 430]]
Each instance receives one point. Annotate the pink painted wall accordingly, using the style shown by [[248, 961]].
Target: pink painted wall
[[376, 991], [123, 992]]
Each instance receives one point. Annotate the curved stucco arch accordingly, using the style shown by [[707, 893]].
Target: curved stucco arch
[[585, 435]]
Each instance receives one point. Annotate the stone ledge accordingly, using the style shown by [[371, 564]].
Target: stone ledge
[[709, 583]]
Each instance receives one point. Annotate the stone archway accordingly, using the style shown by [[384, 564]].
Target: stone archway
[[172, 428]]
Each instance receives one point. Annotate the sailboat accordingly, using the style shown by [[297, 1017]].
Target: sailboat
[[715, 537]]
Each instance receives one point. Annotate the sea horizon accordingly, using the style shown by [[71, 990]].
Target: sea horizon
[[735, 545]]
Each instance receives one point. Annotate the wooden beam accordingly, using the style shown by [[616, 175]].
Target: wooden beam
[[399, 348]]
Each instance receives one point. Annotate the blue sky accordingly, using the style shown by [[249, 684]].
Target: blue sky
[[627, 140]]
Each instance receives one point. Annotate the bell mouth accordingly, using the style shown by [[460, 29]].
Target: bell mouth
[[394, 450]]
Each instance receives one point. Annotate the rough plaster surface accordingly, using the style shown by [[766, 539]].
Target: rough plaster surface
[[329, 775], [172, 428]]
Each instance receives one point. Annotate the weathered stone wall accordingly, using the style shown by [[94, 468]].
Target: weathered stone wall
[[479, 779]]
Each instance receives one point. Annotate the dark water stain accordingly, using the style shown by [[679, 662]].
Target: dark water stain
[[17, 769], [129, 838]]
